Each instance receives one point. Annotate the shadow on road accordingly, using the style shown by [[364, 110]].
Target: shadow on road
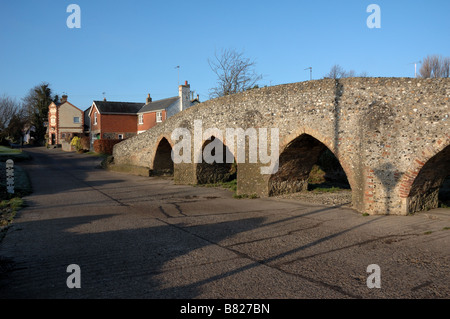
[[128, 263]]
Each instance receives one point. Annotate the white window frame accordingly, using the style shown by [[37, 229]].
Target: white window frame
[[120, 136], [95, 118], [141, 118], [76, 122], [159, 118]]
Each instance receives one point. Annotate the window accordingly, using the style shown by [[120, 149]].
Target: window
[[95, 117], [141, 118], [120, 136], [76, 119], [158, 116]]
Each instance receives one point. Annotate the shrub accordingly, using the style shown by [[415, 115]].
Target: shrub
[[76, 142], [105, 146], [85, 143]]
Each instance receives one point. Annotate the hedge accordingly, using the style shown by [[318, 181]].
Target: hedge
[[105, 146]]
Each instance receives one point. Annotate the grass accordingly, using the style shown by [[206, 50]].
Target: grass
[[232, 186], [11, 203], [96, 154], [22, 184], [443, 205], [16, 155], [251, 196], [331, 189], [8, 210], [7, 150]]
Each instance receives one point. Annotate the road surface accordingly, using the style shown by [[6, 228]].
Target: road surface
[[140, 237]]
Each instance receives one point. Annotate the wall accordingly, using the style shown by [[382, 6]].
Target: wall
[[66, 114], [150, 120], [382, 131], [118, 123]]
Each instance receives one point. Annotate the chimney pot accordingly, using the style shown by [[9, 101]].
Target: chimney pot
[[149, 99], [64, 98]]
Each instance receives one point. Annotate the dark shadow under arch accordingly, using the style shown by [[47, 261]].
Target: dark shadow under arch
[[212, 173], [428, 188], [163, 163], [306, 163]]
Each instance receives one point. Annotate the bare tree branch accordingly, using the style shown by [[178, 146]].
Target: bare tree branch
[[8, 108], [234, 72], [11, 115], [337, 72], [435, 66]]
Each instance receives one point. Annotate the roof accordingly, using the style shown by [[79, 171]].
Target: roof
[[158, 105], [105, 107]]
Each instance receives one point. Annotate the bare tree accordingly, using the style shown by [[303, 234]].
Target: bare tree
[[337, 72], [445, 68], [435, 66], [10, 113], [8, 108], [235, 73]]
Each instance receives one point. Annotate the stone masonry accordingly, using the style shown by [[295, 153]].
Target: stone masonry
[[390, 135]]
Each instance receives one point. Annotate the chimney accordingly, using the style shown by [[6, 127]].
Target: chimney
[[184, 92], [64, 98], [149, 99], [104, 99]]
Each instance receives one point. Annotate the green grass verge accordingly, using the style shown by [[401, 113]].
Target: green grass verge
[[16, 155], [22, 183], [7, 150], [8, 210]]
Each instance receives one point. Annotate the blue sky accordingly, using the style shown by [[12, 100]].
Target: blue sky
[[128, 49]]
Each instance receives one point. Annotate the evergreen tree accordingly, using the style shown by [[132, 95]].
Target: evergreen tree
[[36, 104]]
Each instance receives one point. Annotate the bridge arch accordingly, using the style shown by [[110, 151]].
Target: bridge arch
[[421, 183], [299, 153], [213, 168], [162, 158]]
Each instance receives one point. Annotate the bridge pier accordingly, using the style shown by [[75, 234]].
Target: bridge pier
[[184, 174]]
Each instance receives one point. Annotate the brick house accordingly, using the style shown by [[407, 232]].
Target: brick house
[[64, 120], [113, 120], [154, 112], [122, 120]]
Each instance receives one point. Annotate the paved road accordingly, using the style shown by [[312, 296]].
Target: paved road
[[137, 237]]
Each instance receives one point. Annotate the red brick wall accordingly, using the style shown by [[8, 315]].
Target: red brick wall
[[150, 120], [118, 123], [95, 127]]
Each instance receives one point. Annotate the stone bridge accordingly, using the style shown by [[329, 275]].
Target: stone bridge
[[390, 136]]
